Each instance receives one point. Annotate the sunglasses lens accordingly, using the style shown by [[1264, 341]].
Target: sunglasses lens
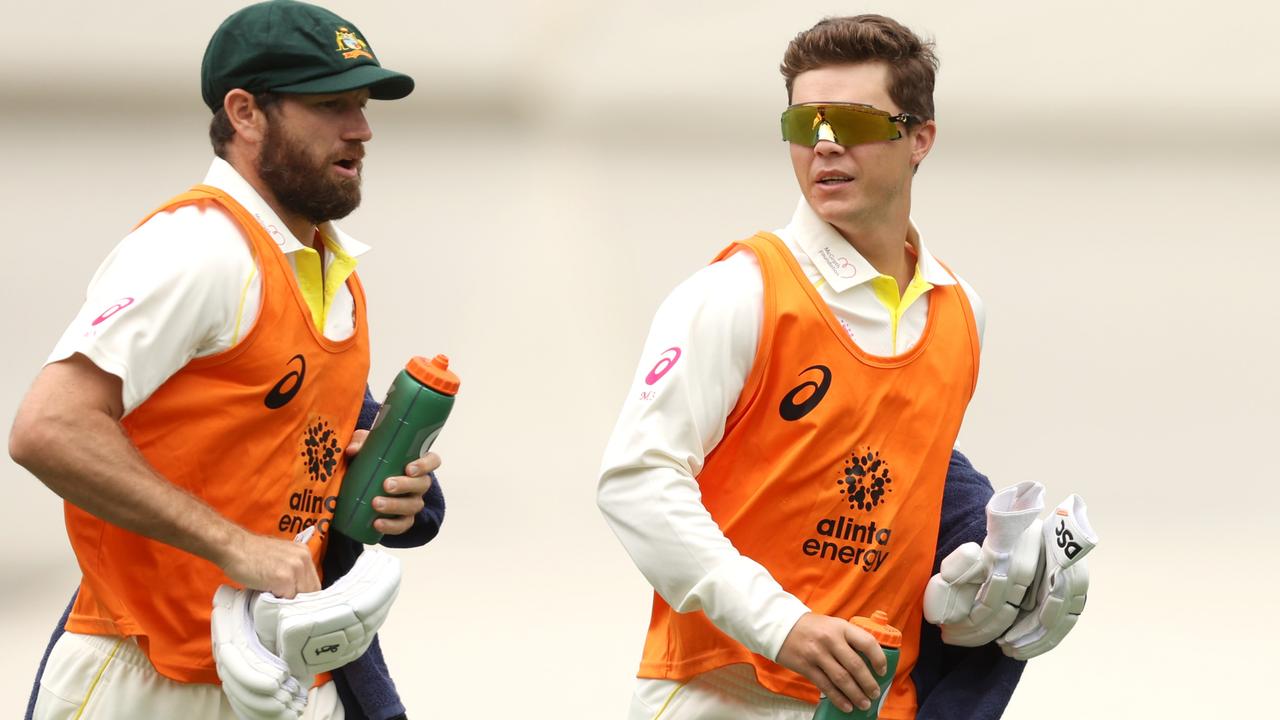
[[844, 125], [799, 125]]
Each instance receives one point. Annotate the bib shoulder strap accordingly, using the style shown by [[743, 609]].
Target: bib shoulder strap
[[199, 194], [971, 321]]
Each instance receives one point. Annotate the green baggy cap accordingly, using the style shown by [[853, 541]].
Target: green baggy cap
[[293, 47]]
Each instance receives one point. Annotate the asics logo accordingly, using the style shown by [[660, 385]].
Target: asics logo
[[793, 407], [282, 392], [664, 364], [120, 304]]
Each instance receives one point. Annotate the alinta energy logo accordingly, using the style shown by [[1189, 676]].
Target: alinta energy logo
[[866, 479], [319, 455], [320, 451]]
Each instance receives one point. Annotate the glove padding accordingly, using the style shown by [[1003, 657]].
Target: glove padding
[[979, 591], [319, 631], [1056, 604], [258, 684]]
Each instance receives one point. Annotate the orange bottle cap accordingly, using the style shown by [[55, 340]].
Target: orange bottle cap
[[880, 629], [434, 373]]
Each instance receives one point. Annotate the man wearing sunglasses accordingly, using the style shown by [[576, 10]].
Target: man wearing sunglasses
[[780, 463]]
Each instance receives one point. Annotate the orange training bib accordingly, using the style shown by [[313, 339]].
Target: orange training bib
[[830, 473], [257, 432]]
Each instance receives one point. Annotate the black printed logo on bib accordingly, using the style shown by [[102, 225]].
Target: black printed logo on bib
[[320, 451], [866, 479], [282, 392], [804, 397], [856, 539]]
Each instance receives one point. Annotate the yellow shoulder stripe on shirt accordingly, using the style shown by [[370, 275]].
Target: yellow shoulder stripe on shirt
[[244, 293], [318, 287]]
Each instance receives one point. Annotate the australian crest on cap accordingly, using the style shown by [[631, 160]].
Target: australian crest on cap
[[350, 44]]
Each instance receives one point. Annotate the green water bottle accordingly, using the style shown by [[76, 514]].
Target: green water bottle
[[890, 639], [411, 418]]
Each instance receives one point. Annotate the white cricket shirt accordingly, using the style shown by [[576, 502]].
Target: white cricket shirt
[[648, 490], [185, 285]]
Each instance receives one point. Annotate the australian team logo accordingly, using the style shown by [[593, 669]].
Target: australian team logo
[[865, 479], [350, 44]]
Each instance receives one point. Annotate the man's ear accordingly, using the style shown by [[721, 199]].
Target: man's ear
[[922, 142], [248, 119]]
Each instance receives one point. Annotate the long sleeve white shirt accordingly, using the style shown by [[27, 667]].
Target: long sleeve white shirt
[[695, 362], [184, 285]]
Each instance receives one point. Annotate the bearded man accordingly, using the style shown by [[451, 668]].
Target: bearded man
[[214, 376]]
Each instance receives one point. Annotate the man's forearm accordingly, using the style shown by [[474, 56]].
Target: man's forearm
[[673, 540], [86, 458], [90, 463]]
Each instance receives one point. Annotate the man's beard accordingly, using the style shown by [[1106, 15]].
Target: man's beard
[[301, 184]]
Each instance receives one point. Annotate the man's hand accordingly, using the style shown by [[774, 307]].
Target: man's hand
[[318, 632], [280, 567], [403, 492], [825, 650]]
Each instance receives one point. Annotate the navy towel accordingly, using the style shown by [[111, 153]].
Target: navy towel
[[960, 683]]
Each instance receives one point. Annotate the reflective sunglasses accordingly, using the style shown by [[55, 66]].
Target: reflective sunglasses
[[842, 123]]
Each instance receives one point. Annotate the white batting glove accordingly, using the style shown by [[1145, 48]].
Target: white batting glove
[[977, 594], [258, 684], [1055, 606], [320, 631]]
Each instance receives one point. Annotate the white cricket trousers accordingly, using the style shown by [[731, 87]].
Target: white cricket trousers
[[103, 677], [727, 693]]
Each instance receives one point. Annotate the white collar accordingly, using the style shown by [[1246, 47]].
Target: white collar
[[840, 264], [225, 177], [930, 269]]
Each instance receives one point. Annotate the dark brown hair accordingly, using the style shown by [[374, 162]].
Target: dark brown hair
[[221, 130], [868, 38]]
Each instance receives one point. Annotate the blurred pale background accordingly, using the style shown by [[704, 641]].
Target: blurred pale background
[[1105, 176]]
